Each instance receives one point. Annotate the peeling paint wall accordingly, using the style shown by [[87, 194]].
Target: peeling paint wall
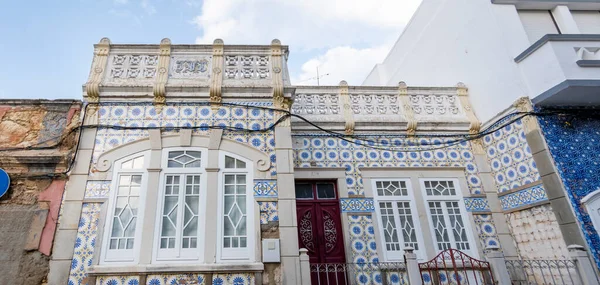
[[536, 233], [29, 210]]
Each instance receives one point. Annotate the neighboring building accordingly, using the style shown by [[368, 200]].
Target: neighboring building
[[37, 144], [191, 169], [547, 52]]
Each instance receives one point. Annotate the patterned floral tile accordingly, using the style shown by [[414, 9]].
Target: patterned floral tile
[[486, 230], [176, 279], [573, 144], [97, 189], [233, 279], [268, 212], [191, 115], [357, 205], [84, 243], [523, 197], [477, 204], [265, 188], [510, 157], [333, 152], [118, 280]]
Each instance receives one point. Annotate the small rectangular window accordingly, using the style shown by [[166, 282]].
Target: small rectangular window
[[325, 191], [304, 191], [184, 159], [440, 188]]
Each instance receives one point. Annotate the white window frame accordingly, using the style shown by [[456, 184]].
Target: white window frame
[[229, 254], [125, 256], [179, 254], [457, 197], [398, 255]]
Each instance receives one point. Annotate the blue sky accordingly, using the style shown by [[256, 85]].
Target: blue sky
[[46, 46]]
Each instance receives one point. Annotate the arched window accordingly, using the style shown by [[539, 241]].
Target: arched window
[[182, 200], [236, 219], [122, 233]]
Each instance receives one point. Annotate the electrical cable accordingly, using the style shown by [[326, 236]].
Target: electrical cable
[[354, 139]]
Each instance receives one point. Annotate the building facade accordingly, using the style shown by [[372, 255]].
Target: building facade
[[37, 143], [202, 164], [544, 51]]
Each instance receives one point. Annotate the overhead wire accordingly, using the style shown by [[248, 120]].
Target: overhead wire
[[413, 145]]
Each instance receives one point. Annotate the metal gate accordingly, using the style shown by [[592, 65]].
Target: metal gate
[[452, 266]]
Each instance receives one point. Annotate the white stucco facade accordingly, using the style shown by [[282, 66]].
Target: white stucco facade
[[479, 43]]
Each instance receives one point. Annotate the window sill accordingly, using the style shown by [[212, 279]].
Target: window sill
[[158, 268]]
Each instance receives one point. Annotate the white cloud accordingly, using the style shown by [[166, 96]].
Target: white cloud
[[305, 24], [350, 35], [341, 63], [120, 2]]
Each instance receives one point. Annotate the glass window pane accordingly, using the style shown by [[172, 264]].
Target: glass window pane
[[241, 189], [174, 164], [226, 242], [325, 191], [192, 228], [117, 230], [168, 228], [113, 244], [130, 229], [193, 203], [304, 191], [229, 162], [240, 164], [125, 180], [138, 162], [240, 179], [229, 189], [243, 242], [230, 179], [173, 154]]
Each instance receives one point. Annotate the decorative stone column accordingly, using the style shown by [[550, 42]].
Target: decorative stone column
[[304, 267]]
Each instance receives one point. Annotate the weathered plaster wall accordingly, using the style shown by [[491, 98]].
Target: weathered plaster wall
[[573, 144], [536, 233], [29, 210]]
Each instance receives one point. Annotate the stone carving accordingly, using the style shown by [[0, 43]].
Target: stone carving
[[217, 78], [92, 87], [434, 105], [187, 67], [347, 108], [132, 66], [316, 104], [409, 114], [248, 67], [159, 89], [375, 104]]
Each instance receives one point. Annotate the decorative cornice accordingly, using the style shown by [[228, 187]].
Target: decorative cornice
[[92, 87], [346, 108], [523, 104], [217, 73], [409, 114], [160, 82]]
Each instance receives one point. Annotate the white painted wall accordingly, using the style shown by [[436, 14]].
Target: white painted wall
[[470, 41]]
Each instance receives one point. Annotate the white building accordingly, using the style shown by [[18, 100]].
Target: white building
[[502, 49]]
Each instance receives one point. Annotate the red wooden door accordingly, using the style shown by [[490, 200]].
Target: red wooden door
[[320, 226]]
